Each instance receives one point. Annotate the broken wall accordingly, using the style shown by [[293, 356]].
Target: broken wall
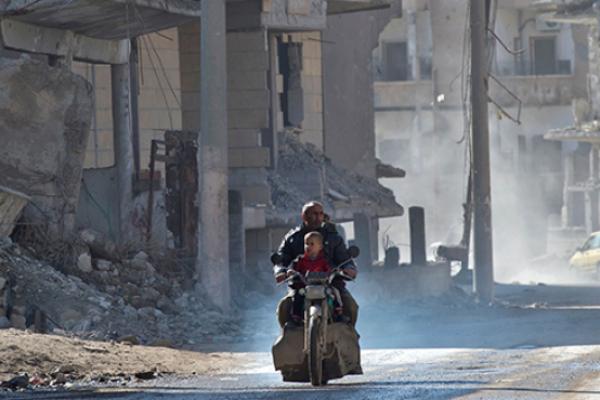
[[45, 115], [348, 88]]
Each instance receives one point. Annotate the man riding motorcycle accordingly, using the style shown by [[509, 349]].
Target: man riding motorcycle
[[292, 246]]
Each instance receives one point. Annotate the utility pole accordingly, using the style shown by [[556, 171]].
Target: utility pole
[[483, 282]]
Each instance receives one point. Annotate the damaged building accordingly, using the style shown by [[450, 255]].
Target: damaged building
[[119, 119], [579, 136], [538, 70]]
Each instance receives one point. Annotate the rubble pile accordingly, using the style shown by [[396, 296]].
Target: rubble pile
[[109, 298], [304, 163]]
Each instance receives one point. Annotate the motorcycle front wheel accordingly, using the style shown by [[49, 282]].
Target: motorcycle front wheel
[[315, 358]]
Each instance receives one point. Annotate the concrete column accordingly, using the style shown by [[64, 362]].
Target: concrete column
[[212, 266], [566, 211], [588, 212], [237, 242], [135, 92], [418, 254], [123, 144], [593, 193], [362, 235]]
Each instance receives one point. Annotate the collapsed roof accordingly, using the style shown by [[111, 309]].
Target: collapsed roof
[[304, 173]]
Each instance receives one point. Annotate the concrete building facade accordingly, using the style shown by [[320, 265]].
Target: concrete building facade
[[158, 70], [422, 115]]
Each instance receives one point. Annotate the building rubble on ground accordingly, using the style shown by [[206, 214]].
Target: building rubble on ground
[[124, 298], [104, 115]]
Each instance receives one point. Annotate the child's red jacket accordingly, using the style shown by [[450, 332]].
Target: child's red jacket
[[304, 264]]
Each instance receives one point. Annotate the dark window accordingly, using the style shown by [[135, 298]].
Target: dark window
[[395, 61], [290, 67], [543, 50]]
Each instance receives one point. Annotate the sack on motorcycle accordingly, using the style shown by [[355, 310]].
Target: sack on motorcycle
[[342, 356]]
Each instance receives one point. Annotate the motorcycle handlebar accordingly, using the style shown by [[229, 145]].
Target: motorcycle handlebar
[[333, 274]]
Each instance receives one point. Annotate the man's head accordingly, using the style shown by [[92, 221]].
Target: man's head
[[313, 244], [313, 215]]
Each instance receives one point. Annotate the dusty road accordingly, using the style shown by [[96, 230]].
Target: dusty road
[[540, 342], [550, 373]]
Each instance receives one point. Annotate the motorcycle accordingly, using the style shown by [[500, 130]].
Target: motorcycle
[[321, 349]]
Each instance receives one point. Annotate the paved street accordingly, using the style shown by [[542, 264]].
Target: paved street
[[540, 342], [559, 372]]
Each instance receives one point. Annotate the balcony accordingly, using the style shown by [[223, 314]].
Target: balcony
[[536, 90], [533, 91], [528, 68]]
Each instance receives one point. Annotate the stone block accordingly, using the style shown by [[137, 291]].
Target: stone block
[[249, 100], [313, 121], [241, 177], [311, 67], [244, 138], [247, 80], [249, 157], [254, 195], [311, 49], [84, 263], [254, 217], [247, 119], [255, 61], [313, 104], [241, 42]]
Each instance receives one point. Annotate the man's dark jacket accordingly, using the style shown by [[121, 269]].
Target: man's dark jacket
[[334, 247]]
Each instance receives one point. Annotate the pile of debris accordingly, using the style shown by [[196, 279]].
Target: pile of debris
[[105, 295], [304, 173]]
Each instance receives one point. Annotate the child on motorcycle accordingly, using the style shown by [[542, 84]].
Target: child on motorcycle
[[313, 260]]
